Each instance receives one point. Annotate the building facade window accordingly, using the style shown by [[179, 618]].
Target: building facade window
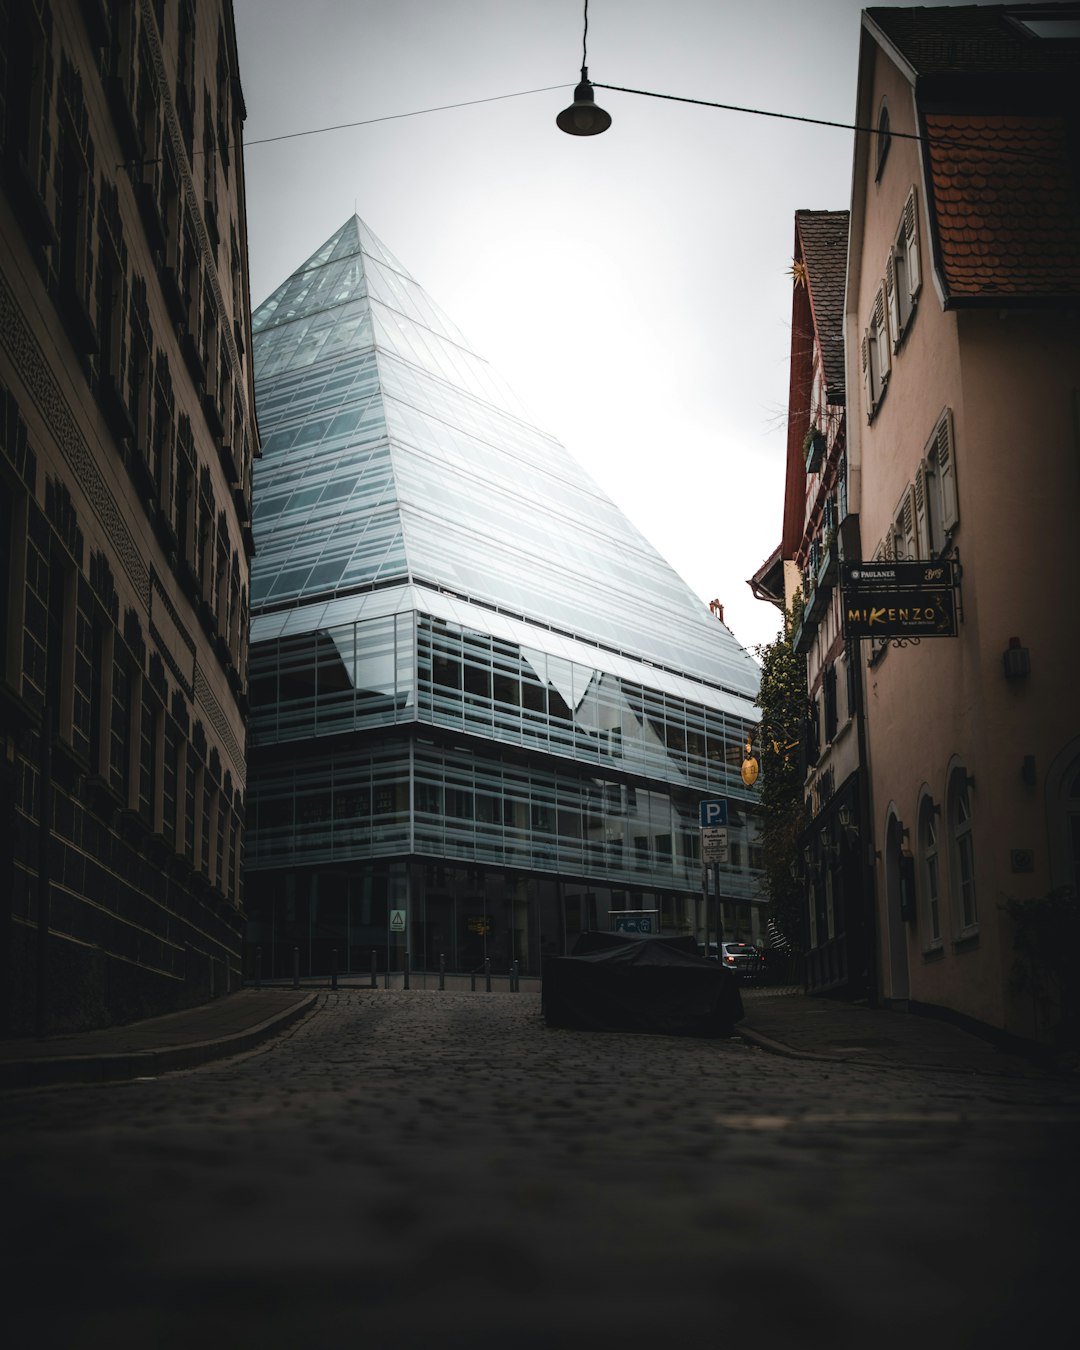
[[27, 98], [1072, 833], [60, 646], [893, 307], [850, 677], [8, 575], [829, 698], [101, 660], [963, 853], [909, 249], [206, 823], [876, 354], [931, 872], [884, 140], [903, 273], [191, 798], [905, 543], [124, 686], [938, 471], [76, 208], [112, 300], [170, 780], [149, 757], [812, 735], [1063, 820]]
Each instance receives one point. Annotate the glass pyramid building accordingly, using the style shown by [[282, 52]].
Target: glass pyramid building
[[483, 708]]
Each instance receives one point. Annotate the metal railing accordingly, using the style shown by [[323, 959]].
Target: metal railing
[[510, 981]]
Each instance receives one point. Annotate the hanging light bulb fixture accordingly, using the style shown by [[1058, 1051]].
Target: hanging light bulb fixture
[[584, 117]]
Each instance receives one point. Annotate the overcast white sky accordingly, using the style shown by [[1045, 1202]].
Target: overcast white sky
[[632, 288]]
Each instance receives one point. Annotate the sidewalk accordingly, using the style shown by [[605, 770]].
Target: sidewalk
[[787, 1022], [226, 1026], [781, 1021]]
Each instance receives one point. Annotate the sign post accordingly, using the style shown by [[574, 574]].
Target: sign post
[[713, 818]]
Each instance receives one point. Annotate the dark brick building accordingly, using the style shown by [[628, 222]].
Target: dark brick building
[[127, 434]]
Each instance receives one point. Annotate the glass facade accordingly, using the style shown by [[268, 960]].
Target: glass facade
[[480, 700]]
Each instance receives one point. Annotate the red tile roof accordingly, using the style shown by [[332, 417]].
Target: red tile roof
[[1006, 205]]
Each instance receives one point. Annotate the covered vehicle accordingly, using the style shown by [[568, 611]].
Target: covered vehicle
[[626, 982]]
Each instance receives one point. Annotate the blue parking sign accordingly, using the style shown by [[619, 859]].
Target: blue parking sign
[[713, 812]]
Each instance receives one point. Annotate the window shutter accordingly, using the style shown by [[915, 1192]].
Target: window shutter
[[946, 458], [867, 376], [906, 522], [922, 534], [911, 243], [893, 302], [882, 335]]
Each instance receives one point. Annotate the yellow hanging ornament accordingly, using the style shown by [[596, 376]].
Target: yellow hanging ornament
[[749, 766]]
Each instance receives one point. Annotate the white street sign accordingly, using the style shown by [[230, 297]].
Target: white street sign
[[397, 921], [714, 844]]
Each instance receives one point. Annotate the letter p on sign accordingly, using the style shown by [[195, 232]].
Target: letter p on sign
[[713, 812]]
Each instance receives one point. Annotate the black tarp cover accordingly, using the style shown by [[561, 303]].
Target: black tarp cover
[[622, 982]]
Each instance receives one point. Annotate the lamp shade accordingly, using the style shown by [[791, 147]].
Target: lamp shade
[[583, 117]]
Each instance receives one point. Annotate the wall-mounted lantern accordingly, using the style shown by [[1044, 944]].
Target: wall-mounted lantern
[[1016, 660]]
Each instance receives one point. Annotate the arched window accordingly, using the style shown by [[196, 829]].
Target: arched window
[[883, 138], [930, 864], [898, 899], [963, 852]]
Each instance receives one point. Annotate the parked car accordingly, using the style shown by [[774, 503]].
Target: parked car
[[744, 958], [741, 957]]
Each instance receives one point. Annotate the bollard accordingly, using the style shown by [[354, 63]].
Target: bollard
[[442, 970], [405, 982], [374, 965], [487, 973], [514, 978], [258, 967], [333, 968], [296, 967]]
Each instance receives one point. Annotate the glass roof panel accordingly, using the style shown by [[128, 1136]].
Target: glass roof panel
[[391, 450]]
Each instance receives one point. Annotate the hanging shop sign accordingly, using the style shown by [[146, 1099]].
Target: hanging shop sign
[[904, 614], [898, 600], [904, 574]]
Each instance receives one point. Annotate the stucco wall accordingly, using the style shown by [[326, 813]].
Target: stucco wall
[[1009, 380]]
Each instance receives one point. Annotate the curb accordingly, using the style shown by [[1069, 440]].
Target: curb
[[766, 1043], [779, 1048], [105, 1068]]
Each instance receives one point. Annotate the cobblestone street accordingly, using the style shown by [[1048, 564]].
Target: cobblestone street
[[400, 1166]]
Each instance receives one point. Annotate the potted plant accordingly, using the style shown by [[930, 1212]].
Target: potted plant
[[814, 448]]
